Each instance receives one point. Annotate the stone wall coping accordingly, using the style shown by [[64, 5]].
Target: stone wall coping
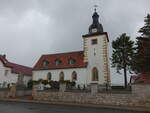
[[141, 84]]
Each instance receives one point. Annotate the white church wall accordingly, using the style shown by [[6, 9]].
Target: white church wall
[[97, 59], [81, 74]]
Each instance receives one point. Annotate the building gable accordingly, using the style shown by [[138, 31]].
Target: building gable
[[16, 68]]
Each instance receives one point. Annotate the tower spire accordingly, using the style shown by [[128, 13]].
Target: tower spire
[[96, 27]]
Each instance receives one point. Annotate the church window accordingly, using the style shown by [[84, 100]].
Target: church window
[[74, 76], [45, 63], [61, 76], [94, 74], [58, 62], [72, 61], [49, 76], [94, 41]]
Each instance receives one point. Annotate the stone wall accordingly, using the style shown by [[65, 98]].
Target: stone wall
[[23, 93], [141, 90], [131, 99], [13, 93], [4, 93], [86, 98]]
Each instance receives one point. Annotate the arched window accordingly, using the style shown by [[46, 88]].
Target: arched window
[[94, 74], [61, 76], [74, 76], [49, 76]]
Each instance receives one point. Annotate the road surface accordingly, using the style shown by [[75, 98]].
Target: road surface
[[14, 107]]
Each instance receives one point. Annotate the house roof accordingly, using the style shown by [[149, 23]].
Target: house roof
[[144, 78], [77, 56], [141, 78], [16, 68]]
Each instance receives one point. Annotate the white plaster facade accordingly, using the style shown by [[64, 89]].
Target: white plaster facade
[[7, 77], [81, 74]]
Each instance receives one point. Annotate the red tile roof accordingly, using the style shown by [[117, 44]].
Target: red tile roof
[[16, 68], [141, 78], [144, 77], [64, 58]]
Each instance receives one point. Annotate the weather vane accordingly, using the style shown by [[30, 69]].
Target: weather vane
[[95, 6]]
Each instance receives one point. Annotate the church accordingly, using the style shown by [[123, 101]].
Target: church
[[84, 67]]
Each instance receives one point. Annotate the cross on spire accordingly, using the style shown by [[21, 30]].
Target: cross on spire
[[95, 6]]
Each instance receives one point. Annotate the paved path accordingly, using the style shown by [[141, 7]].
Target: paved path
[[17, 107]]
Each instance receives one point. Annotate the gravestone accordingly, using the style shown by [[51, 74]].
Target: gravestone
[[94, 88], [62, 87]]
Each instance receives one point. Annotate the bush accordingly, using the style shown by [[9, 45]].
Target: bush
[[73, 84], [40, 80], [64, 81], [68, 83], [31, 83], [54, 84], [45, 82]]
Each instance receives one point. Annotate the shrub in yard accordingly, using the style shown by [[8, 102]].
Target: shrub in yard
[[31, 83], [40, 80], [45, 82], [54, 84], [68, 83], [73, 84], [64, 81]]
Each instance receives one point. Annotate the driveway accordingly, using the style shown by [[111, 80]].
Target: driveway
[[15, 107]]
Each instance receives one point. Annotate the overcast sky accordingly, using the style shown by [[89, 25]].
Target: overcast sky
[[30, 28]]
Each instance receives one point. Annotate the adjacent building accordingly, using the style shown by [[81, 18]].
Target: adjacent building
[[13, 73]]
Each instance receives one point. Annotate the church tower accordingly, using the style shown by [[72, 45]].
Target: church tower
[[96, 53]]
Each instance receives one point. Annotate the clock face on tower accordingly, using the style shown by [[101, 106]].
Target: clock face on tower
[[94, 30]]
